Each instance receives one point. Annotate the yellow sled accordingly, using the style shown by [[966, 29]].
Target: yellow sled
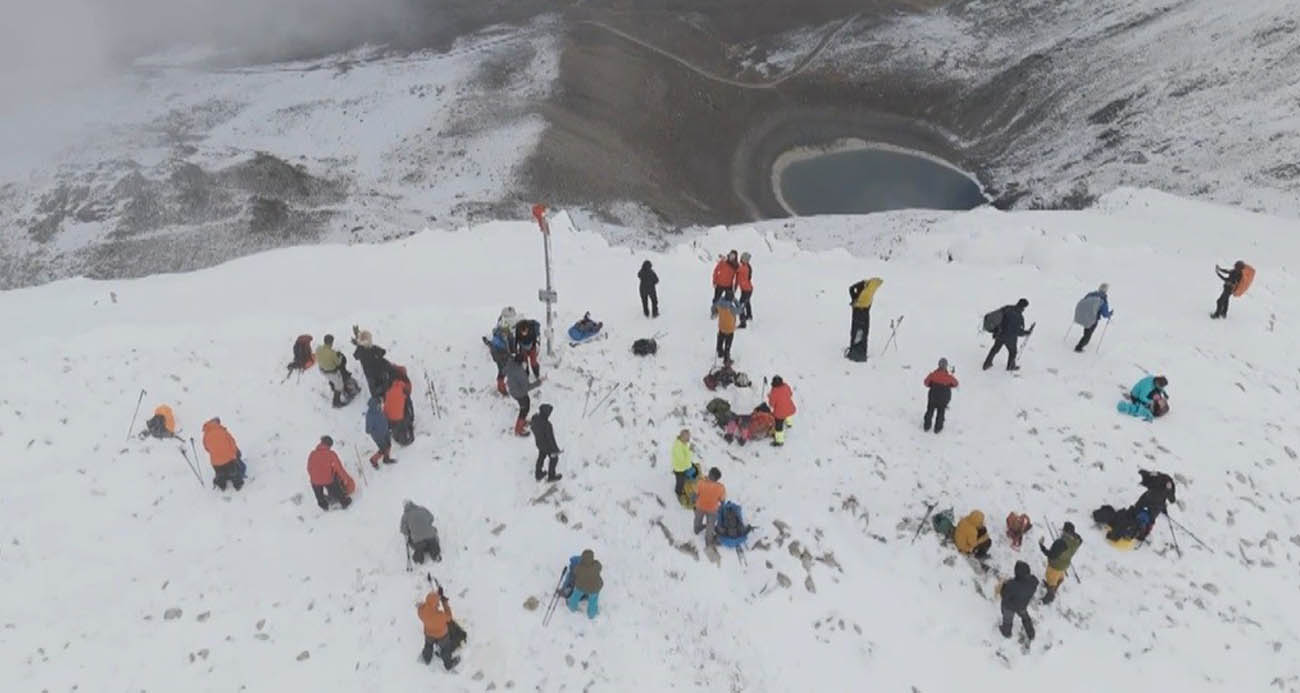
[[1121, 544]]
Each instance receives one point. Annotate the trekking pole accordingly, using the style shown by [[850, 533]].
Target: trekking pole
[[134, 414], [361, 471], [555, 597], [929, 509], [1185, 530], [602, 400], [1066, 338], [893, 334], [1052, 533], [1102, 338], [194, 469], [407, 546], [1174, 534], [1025, 345]]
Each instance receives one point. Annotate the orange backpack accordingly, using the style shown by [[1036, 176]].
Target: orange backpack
[[1247, 276]]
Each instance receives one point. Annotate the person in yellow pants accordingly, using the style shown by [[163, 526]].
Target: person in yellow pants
[[1058, 559]]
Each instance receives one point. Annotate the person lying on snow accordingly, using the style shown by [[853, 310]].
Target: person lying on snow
[[1016, 594], [971, 537], [161, 425], [421, 535], [585, 328], [329, 480], [227, 461], [1137, 521], [1148, 398], [746, 427]]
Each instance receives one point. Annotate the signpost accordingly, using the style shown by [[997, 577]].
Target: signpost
[[547, 295]]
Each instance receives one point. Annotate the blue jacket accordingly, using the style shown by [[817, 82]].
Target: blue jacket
[[1105, 304], [500, 339], [1144, 389], [376, 422]]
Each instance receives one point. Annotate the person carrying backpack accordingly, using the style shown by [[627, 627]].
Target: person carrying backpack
[[329, 480], [547, 449], [374, 365], [398, 409], [1058, 559], [1010, 328], [940, 383], [780, 399], [649, 293], [726, 311], [421, 535], [1089, 311], [724, 279], [501, 345], [861, 296], [708, 501], [378, 430], [1016, 595], [527, 337], [223, 452], [1231, 278], [745, 282], [518, 386], [587, 583]]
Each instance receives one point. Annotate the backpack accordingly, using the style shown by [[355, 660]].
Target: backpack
[[1086, 311], [943, 523], [645, 347], [857, 352], [1247, 276], [993, 319], [721, 377], [730, 522], [720, 409], [302, 356]]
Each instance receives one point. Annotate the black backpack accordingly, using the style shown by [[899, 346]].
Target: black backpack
[[993, 319], [645, 347]]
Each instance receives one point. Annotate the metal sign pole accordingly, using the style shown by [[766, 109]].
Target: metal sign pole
[[546, 295]]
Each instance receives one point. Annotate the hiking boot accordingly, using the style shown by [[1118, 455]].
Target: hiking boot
[[655, 314], [347, 500], [1049, 597], [554, 477], [374, 464], [1005, 630], [501, 385], [1013, 368], [937, 429], [1078, 350], [988, 366], [925, 426], [390, 460], [521, 429], [538, 474]]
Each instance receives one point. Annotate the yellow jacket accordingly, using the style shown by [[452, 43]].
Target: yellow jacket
[[862, 293], [966, 535], [681, 456]]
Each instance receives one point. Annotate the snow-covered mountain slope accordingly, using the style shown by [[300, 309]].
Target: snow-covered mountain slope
[[104, 538]]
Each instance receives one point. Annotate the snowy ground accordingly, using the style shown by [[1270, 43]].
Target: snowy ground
[[103, 537]]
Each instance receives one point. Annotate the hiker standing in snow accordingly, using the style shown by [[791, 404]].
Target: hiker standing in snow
[[726, 311], [1016, 595], [683, 461], [502, 344], [1089, 311], [518, 386], [333, 366], [377, 429], [1008, 334], [940, 383], [421, 535], [527, 337], [861, 296], [329, 480], [587, 582], [223, 452], [1058, 559], [398, 408], [1231, 278], [377, 369], [724, 279], [708, 501], [745, 282], [436, 617], [780, 399], [649, 294], [547, 449]]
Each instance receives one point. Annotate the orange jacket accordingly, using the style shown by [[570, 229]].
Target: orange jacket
[[760, 423], [726, 320], [781, 400], [743, 277], [435, 616], [169, 419], [395, 400], [709, 496], [219, 443], [724, 274], [323, 466]]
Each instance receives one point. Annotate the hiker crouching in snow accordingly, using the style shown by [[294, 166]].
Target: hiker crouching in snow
[[329, 480], [781, 400], [1147, 399], [518, 386], [586, 582], [421, 535], [940, 383], [547, 449], [971, 537], [1058, 559], [227, 460], [161, 425], [1016, 595]]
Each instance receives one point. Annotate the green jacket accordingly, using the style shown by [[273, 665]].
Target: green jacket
[[682, 457], [328, 359], [1062, 551]]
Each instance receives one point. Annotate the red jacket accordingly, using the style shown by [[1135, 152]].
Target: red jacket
[[724, 274], [395, 400], [744, 277], [781, 400], [323, 466], [941, 377]]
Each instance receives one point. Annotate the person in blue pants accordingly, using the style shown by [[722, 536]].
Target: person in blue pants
[[585, 573], [1140, 398]]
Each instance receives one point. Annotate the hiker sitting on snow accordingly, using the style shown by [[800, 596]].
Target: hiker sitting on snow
[[586, 326]]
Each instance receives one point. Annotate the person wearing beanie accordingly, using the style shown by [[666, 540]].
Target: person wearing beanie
[[745, 282], [329, 480], [1016, 595], [374, 365], [1008, 334], [724, 280], [649, 292], [1058, 559], [940, 383], [547, 449], [726, 311], [1089, 311], [781, 401]]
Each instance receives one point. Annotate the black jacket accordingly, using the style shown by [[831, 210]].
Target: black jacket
[[543, 433], [1019, 591], [1231, 278], [647, 276], [1013, 324], [373, 363]]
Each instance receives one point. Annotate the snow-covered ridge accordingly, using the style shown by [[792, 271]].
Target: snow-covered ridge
[[103, 538]]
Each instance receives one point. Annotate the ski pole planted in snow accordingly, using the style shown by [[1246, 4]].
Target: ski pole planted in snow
[[1102, 338], [360, 467], [1195, 538], [1174, 534], [929, 509], [134, 414], [194, 469], [893, 335], [555, 597]]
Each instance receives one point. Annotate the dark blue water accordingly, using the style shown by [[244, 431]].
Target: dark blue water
[[875, 180]]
